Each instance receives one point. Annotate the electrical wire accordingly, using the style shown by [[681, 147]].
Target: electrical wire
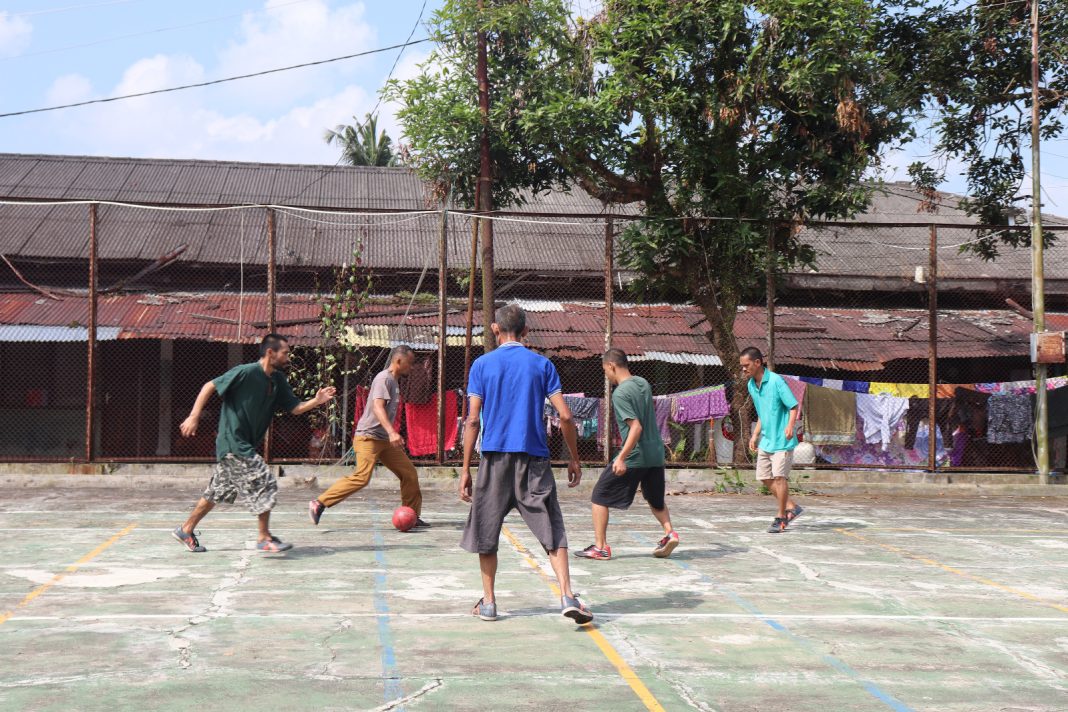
[[212, 82]]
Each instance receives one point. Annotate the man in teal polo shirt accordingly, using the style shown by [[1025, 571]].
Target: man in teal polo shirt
[[774, 437]]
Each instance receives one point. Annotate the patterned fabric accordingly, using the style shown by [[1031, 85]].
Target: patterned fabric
[[1009, 419], [246, 478]]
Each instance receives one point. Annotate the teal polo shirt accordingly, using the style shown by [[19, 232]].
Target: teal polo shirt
[[773, 401]]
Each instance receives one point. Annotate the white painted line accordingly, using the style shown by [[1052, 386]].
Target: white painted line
[[553, 613]]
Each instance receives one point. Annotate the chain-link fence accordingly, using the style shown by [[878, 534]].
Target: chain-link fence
[[104, 358]]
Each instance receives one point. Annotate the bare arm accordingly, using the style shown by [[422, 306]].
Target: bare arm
[[620, 465], [379, 409], [754, 438], [570, 431], [323, 397], [189, 425], [791, 425], [471, 427]]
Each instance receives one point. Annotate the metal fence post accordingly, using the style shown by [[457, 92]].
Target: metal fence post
[[90, 396], [932, 352], [443, 260], [272, 303], [609, 308]]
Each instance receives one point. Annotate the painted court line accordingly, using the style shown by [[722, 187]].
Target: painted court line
[[963, 574], [618, 617], [6, 615], [836, 663], [392, 689], [621, 666]]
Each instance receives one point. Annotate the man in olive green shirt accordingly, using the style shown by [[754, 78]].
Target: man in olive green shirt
[[251, 394], [639, 462]]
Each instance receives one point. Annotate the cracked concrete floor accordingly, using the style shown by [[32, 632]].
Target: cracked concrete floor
[[865, 604]]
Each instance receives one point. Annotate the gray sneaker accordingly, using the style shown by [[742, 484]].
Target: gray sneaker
[[486, 611], [574, 609], [190, 540]]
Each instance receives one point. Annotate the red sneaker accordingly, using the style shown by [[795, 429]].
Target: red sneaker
[[666, 545], [592, 552]]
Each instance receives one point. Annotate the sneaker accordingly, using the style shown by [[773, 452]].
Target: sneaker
[[421, 524], [486, 611], [315, 511], [665, 546], [190, 540], [574, 609], [777, 526], [592, 552], [792, 514], [273, 545]]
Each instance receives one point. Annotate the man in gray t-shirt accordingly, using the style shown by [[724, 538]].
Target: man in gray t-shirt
[[378, 441]]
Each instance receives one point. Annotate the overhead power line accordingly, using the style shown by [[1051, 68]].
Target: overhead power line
[[69, 8], [213, 81]]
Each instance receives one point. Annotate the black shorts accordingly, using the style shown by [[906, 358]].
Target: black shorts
[[617, 491]]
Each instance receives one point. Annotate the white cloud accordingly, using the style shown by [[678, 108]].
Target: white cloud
[[70, 88], [15, 33], [284, 34]]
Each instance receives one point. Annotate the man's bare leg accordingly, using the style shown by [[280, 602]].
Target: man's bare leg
[[558, 559], [600, 526], [781, 489], [265, 526], [199, 512], [487, 563], [664, 518]]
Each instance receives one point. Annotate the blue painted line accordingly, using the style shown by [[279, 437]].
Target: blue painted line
[[836, 663], [392, 689]]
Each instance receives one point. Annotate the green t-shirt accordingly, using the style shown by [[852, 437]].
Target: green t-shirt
[[249, 401], [633, 400]]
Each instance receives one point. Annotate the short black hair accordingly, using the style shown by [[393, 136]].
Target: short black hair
[[752, 353], [272, 342], [399, 350], [617, 357], [511, 319]]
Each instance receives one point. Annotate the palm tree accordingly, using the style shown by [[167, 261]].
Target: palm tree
[[362, 144]]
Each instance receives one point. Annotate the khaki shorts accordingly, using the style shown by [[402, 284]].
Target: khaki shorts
[[773, 465]]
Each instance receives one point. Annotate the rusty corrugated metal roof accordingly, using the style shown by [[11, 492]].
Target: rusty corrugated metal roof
[[838, 339]]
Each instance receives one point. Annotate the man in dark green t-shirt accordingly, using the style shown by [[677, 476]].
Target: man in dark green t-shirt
[[251, 394], [639, 462]]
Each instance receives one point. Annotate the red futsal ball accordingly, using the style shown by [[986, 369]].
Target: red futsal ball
[[404, 518]]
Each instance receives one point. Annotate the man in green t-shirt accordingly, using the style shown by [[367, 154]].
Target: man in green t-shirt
[[639, 462], [251, 394]]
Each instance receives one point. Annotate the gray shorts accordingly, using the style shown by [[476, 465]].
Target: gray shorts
[[507, 481], [250, 479]]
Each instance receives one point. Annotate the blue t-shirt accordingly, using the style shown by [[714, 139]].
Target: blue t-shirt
[[773, 400], [513, 384]]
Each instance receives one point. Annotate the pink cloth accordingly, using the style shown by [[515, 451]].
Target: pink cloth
[[423, 425], [362, 394], [797, 387]]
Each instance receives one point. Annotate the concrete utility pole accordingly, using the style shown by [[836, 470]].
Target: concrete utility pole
[[1038, 286], [485, 193]]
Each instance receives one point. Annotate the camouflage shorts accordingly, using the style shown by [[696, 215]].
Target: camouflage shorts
[[250, 479]]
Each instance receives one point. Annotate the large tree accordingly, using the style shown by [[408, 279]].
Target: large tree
[[723, 119]]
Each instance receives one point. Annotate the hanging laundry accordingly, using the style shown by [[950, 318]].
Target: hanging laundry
[[583, 408], [830, 416], [701, 405], [919, 410], [423, 425], [833, 384], [797, 387], [922, 443], [946, 390], [901, 390], [812, 381], [662, 407], [362, 394], [881, 415], [970, 410], [856, 386], [419, 386], [1009, 419], [1057, 405]]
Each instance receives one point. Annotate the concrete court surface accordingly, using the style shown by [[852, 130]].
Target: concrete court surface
[[864, 604]]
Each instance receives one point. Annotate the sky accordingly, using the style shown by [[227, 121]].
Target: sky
[[63, 51]]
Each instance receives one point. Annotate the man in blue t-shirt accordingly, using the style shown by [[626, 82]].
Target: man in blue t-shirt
[[508, 388], [774, 434]]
